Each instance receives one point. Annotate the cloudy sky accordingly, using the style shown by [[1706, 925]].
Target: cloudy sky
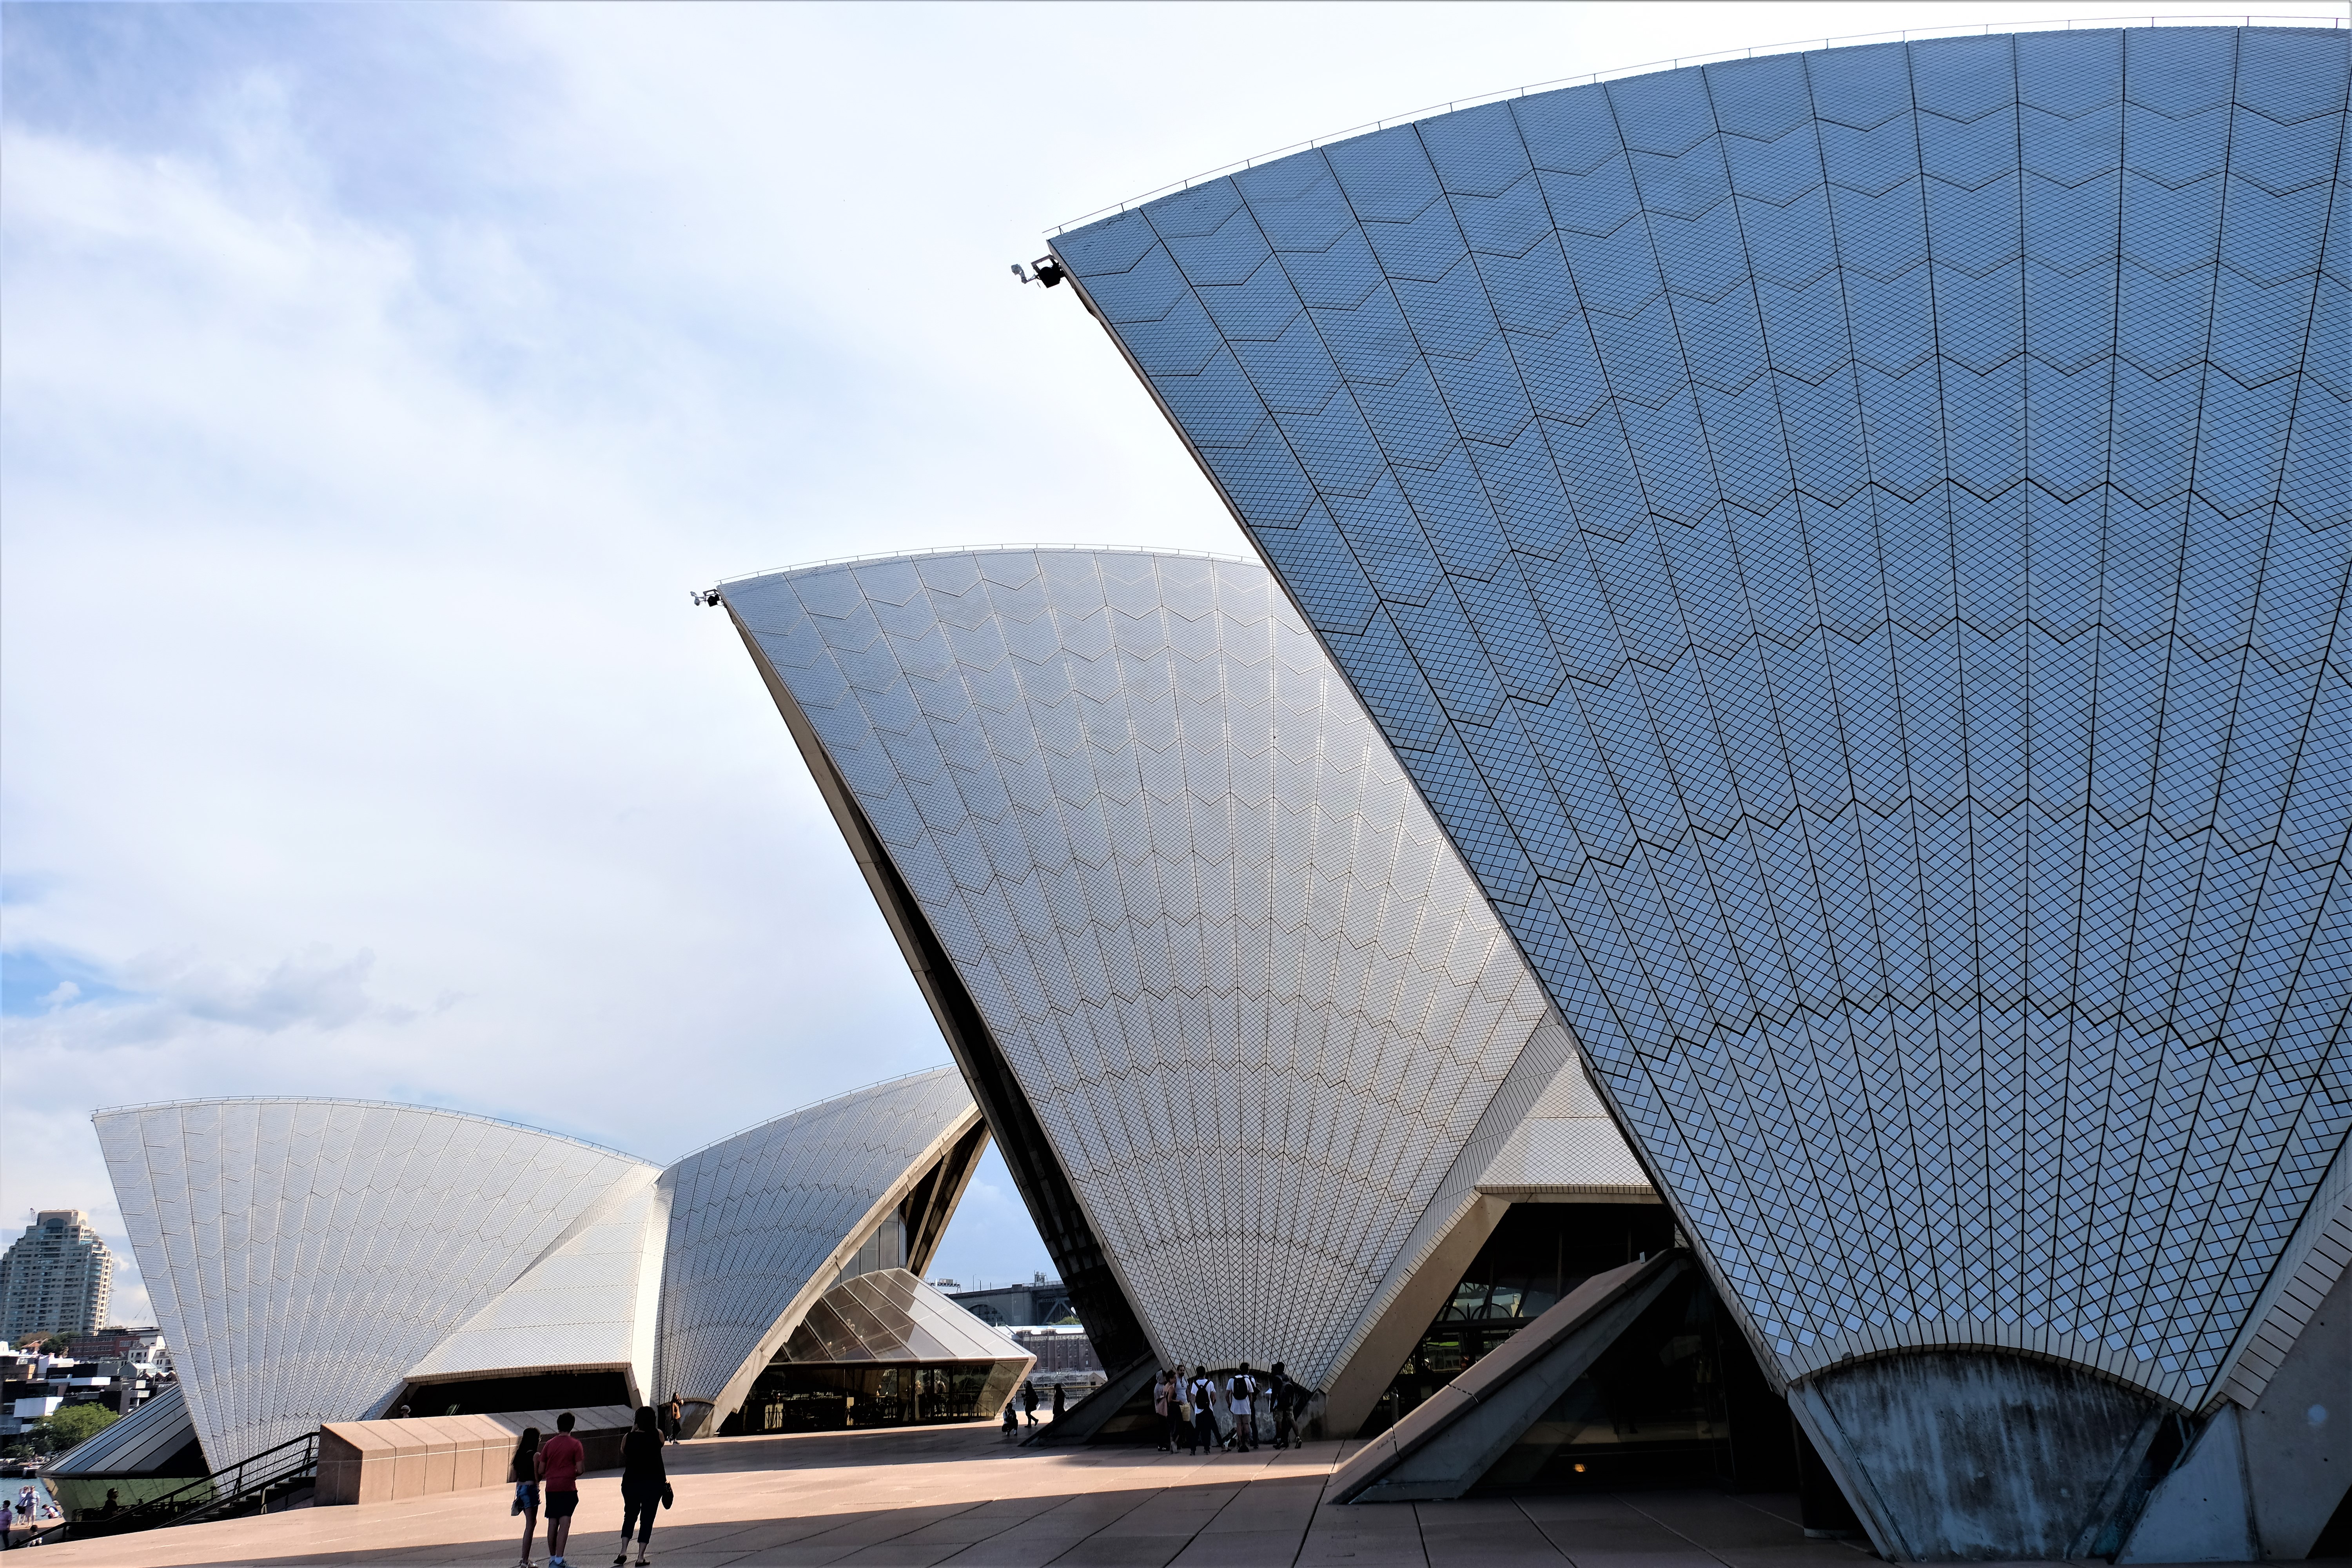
[[378, 382]]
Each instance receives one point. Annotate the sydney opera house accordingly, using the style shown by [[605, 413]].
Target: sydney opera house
[[1851, 549], [321, 1260], [1752, 893]]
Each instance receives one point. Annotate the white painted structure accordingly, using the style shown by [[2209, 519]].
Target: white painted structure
[[310, 1259]]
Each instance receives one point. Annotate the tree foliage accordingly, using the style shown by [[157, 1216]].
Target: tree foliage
[[62, 1428]]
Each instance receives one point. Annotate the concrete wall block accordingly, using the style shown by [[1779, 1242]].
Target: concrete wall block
[[2298, 1460], [2200, 1512], [1960, 1455]]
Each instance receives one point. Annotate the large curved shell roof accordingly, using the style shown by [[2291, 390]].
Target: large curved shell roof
[[761, 1223], [1853, 546], [303, 1253], [1270, 1027]]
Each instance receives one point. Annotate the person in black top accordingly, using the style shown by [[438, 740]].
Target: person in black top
[[523, 1471], [644, 1480], [1285, 1408]]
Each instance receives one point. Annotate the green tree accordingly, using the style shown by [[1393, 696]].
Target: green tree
[[57, 1432]]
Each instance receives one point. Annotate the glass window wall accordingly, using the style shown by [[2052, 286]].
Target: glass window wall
[[1538, 1253]]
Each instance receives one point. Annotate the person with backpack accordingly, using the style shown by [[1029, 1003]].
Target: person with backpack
[[645, 1483], [1286, 1401], [558, 1463], [1029, 1400], [1239, 1392], [1201, 1394], [523, 1471]]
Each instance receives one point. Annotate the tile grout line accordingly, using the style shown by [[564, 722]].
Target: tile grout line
[[1520, 1502]]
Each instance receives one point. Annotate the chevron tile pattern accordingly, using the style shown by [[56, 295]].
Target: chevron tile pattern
[[1271, 1027], [303, 1253], [752, 1218], [1852, 546]]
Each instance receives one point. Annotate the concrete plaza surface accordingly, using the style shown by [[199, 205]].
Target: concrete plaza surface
[[960, 1495]]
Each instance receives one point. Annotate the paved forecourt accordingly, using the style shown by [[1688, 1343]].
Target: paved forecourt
[[957, 1494]]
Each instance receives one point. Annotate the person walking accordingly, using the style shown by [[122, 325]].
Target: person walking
[[1162, 1392], [523, 1471], [1240, 1391], [645, 1483], [1286, 1417], [560, 1460], [1203, 1392], [1057, 1401], [1180, 1418], [677, 1417], [1029, 1400]]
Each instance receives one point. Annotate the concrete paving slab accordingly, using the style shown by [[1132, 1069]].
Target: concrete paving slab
[[933, 1497]]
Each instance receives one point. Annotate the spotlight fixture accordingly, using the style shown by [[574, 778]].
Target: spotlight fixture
[[1044, 270]]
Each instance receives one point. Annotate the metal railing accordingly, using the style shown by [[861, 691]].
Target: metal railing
[[1794, 46], [247, 1482]]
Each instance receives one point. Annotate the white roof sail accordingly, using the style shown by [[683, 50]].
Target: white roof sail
[[588, 1302], [303, 1253], [760, 1223], [1268, 1022]]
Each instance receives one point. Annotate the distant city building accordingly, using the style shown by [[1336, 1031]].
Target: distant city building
[[1042, 1300], [56, 1279], [144, 1346], [1063, 1352]]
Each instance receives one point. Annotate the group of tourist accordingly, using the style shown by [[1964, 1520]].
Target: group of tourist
[[1025, 1402], [29, 1510], [554, 1467], [1237, 1410]]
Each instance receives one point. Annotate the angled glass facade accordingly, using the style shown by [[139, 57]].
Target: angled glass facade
[[1852, 546], [763, 1223]]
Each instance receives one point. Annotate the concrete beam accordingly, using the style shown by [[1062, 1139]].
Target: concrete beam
[[1079, 1423], [2200, 1512], [1442, 1448], [2298, 1458]]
